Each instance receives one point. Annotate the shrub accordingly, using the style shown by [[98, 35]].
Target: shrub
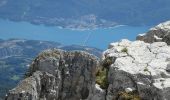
[[146, 69], [101, 78], [129, 96], [124, 50], [107, 62], [102, 73]]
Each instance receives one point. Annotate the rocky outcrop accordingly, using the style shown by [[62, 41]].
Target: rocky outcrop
[[17, 54], [129, 71], [140, 71], [58, 75], [157, 34]]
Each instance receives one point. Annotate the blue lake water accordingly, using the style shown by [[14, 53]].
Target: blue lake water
[[99, 38]]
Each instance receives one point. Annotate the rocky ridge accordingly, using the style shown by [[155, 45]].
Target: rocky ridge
[[58, 75], [137, 71], [158, 33]]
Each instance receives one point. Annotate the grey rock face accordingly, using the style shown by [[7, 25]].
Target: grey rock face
[[138, 71], [141, 69], [58, 75], [168, 68], [39, 85], [157, 34], [17, 54]]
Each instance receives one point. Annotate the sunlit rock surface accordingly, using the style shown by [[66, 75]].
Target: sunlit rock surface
[[158, 33], [140, 68]]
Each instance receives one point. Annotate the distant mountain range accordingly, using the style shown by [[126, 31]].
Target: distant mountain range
[[86, 13], [17, 54]]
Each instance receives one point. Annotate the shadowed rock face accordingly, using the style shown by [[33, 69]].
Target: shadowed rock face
[[58, 75], [157, 34]]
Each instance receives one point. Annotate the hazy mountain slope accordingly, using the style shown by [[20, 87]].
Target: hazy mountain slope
[[76, 13]]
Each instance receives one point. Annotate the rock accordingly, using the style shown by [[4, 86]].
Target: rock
[[129, 90], [168, 68], [140, 71], [130, 71], [157, 34], [34, 87], [99, 94], [58, 75]]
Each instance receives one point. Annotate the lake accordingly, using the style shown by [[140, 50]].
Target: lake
[[99, 38]]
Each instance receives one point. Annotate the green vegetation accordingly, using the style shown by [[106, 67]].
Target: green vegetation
[[146, 69], [107, 62], [102, 73], [129, 96], [101, 78], [124, 50]]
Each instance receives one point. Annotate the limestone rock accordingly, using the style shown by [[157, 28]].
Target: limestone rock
[[99, 94], [157, 34], [139, 68], [135, 70], [168, 68], [58, 75]]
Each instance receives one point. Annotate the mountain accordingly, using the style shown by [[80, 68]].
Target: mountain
[[86, 13], [129, 71], [21, 47], [17, 54], [158, 33]]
